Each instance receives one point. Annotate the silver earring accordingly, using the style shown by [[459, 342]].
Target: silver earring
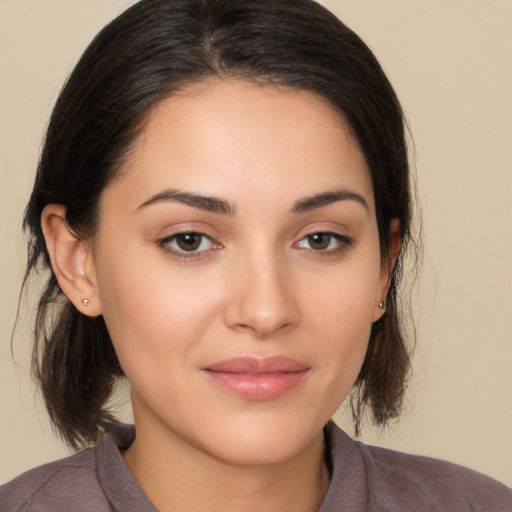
[[381, 305], [85, 302]]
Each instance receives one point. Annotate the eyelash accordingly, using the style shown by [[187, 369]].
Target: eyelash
[[343, 243], [165, 244]]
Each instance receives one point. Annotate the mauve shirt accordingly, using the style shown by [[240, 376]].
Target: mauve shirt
[[364, 479]]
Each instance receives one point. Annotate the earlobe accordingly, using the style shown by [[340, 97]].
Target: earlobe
[[71, 259]]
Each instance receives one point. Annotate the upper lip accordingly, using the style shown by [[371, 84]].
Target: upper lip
[[257, 365]]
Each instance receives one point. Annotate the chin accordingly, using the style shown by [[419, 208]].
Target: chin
[[263, 441], [256, 451]]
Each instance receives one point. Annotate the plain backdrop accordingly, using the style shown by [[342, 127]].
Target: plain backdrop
[[451, 64]]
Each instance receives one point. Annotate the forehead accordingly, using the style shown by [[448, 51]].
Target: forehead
[[243, 141]]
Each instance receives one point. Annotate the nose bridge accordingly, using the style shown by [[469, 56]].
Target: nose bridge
[[262, 296]]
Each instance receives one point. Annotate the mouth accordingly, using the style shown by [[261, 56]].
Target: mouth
[[255, 378]]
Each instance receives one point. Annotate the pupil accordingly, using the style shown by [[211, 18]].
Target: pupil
[[189, 241], [319, 241]]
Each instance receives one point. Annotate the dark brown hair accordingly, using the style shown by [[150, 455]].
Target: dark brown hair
[[149, 52]]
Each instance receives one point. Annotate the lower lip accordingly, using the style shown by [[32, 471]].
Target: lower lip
[[258, 387]]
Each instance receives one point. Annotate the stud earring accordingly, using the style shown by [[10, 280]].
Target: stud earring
[[381, 305], [85, 302]]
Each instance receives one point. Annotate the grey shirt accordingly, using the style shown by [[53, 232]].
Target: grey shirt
[[364, 479]]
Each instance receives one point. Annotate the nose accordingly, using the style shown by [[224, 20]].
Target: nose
[[261, 300]]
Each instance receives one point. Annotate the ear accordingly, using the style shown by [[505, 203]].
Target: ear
[[72, 260], [387, 265]]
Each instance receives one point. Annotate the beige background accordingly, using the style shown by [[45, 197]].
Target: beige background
[[451, 63]]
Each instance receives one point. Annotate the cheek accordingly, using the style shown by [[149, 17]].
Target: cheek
[[343, 299], [152, 314], [341, 308]]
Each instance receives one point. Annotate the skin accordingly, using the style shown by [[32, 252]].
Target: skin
[[258, 284]]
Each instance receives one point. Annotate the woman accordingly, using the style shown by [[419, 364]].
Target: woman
[[223, 201]]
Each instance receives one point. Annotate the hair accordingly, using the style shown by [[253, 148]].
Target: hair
[[151, 51]]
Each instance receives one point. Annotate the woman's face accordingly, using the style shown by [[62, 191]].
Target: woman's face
[[238, 269]]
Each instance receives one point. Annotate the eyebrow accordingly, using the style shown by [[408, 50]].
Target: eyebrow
[[209, 204], [217, 205], [325, 198]]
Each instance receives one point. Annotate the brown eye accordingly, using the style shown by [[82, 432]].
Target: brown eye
[[324, 242], [181, 244], [189, 241], [319, 241]]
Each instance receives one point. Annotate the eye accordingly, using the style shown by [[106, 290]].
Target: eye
[[324, 242], [187, 242]]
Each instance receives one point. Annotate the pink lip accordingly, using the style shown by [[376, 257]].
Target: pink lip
[[258, 378]]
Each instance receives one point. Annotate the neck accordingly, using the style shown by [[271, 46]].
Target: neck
[[176, 476]]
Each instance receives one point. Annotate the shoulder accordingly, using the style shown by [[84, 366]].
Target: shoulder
[[402, 482], [94, 479], [51, 486], [444, 485]]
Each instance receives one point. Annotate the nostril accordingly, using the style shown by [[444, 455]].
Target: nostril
[[260, 330]]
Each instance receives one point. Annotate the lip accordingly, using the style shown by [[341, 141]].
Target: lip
[[256, 378]]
